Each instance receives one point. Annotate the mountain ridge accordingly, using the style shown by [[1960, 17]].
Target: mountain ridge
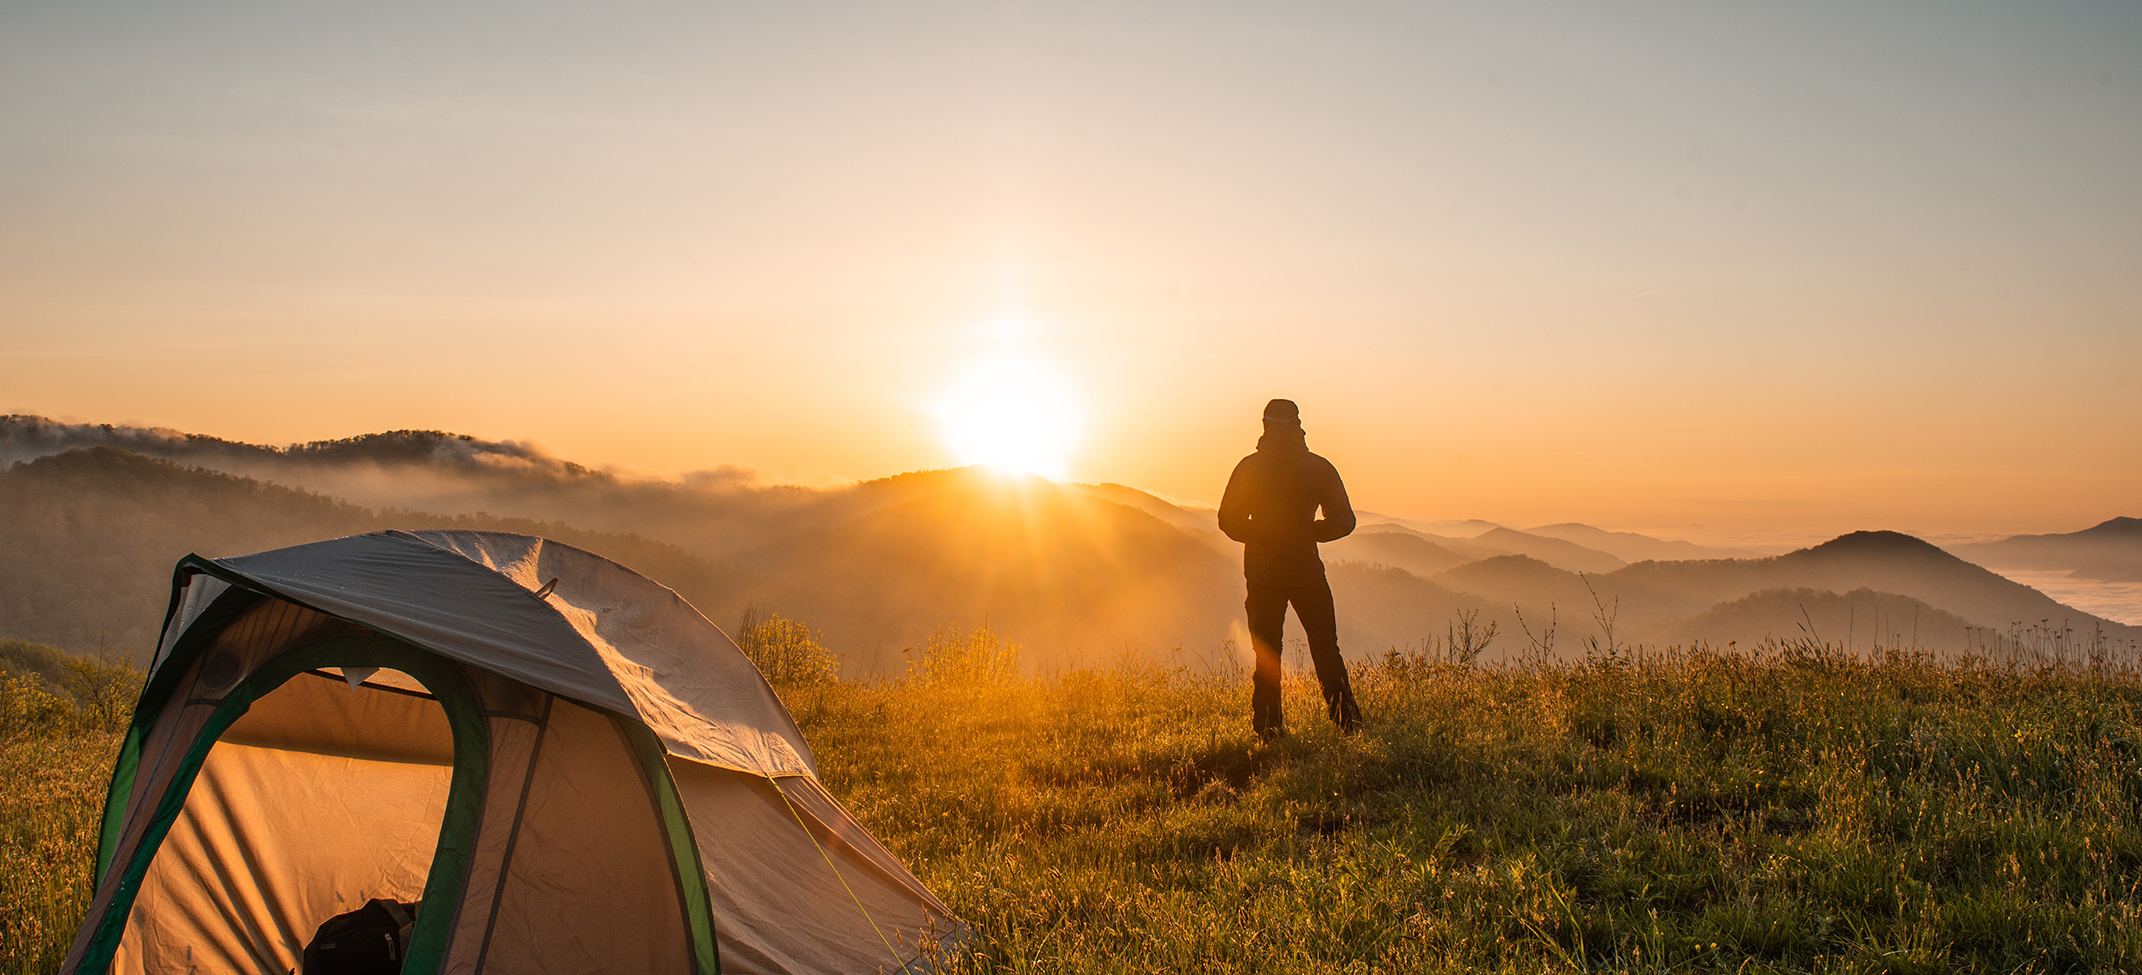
[[1066, 569], [2110, 551]]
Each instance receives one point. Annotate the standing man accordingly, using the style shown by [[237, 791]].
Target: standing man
[[1271, 508]]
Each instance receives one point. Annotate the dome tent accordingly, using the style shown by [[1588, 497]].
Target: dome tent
[[565, 763]]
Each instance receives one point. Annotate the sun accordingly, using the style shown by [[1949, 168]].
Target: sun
[[1013, 414]]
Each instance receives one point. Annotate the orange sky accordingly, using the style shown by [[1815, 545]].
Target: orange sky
[[1726, 272]]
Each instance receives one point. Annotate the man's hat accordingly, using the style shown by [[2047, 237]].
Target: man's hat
[[1282, 411]]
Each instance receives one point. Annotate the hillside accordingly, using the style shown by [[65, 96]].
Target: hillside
[[1203, 523], [1544, 592], [1881, 561], [1786, 811], [1553, 551], [1860, 618], [710, 513], [1498, 541], [1069, 575], [1397, 549], [88, 539], [1382, 608], [1632, 547], [2109, 552], [1072, 572]]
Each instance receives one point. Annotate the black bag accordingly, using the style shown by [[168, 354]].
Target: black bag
[[370, 940]]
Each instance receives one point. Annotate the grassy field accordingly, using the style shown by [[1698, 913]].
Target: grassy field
[[55, 759], [1790, 810]]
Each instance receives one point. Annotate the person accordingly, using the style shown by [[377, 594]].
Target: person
[[1271, 507]]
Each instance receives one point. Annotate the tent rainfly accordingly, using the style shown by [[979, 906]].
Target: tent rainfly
[[563, 762]]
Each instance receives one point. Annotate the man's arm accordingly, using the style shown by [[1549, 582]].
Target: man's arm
[[1338, 520], [1234, 520]]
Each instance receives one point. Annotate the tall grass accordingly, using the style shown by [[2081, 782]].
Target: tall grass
[[56, 751], [1792, 809], [1784, 810]]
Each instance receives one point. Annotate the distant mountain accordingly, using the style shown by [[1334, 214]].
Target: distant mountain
[[1553, 551], [88, 539], [1860, 618], [1632, 547], [1545, 592], [1203, 522], [1382, 608], [429, 470], [1504, 541], [1882, 561], [2110, 551], [1068, 575], [1465, 528], [1397, 549], [1654, 602], [1072, 572], [1519, 580], [28, 437]]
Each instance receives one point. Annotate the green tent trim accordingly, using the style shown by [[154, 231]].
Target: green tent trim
[[165, 680], [691, 874], [464, 796]]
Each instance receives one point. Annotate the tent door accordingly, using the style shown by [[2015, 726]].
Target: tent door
[[300, 799]]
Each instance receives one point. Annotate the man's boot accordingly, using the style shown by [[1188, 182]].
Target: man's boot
[[1344, 712], [1266, 718]]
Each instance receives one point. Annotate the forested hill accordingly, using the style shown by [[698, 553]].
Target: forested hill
[[1070, 573], [88, 539]]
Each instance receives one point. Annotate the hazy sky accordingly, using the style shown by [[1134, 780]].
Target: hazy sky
[[1804, 267]]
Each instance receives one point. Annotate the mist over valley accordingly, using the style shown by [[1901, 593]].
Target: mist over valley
[[92, 517]]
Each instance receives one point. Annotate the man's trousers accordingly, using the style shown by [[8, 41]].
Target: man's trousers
[[1267, 606]]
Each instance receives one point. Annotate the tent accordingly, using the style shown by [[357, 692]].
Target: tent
[[564, 762]]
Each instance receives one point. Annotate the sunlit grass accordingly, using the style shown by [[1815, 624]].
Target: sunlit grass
[[51, 795], [1792, 812], [1795, 810]]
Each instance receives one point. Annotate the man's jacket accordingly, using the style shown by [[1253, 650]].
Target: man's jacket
[[1271, 508]]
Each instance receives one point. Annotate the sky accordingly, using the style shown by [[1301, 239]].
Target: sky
[[1719, 271]]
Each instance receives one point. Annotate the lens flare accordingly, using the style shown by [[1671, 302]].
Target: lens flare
[[1012, 414]]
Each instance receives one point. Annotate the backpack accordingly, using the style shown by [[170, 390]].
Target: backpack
[[370, 940]]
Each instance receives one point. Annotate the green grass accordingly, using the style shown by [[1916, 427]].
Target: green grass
[[1790, 811], [51, 795]]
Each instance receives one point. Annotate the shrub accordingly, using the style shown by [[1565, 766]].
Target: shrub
[[787, 652], [27, 708], [105, 689], [951, 656], [22, 657], [45, 690]]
